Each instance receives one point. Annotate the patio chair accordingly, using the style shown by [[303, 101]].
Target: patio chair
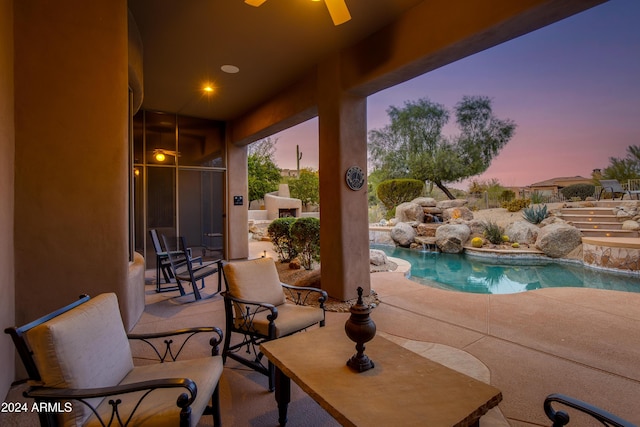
[[80, 367], [163, 265], [562, 418], [613, 186], [260, 308], [193, 270]]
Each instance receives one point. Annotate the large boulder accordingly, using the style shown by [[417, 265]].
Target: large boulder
[[552, 219], [310, 280], [451, 238], [476, 226], [377, 257], [403, 234], [455, 203], [409, 212], [557, 240], [428, 230], [522, 232], [425, 202], [461, 212]]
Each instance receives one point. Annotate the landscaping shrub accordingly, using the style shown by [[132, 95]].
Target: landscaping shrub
[[516, 204], [507, 195], [493, 232], [395, 191], [537, 197], [578, 190], [280, 233], [535, 214], [305, 234]]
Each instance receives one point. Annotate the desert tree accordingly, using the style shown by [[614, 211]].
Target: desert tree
[[413, 144], [264, 174]]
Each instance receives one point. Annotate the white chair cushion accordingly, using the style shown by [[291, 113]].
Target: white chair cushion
[[86, 347], [291, 318], [255, 280], [159, 408]]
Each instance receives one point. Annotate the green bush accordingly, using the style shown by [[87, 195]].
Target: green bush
[[516, 204], [493, 232], [535, 214], [507, 195], [578, 190], [305, 234], [280, 233], [395, 191], [537, 197]]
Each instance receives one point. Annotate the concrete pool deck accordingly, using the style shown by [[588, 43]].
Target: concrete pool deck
[[581, 342]]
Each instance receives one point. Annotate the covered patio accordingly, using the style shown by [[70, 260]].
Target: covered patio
[[75, 73], [528, 345]]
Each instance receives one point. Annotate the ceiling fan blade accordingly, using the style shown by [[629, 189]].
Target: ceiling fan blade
[[255, 3], [338, 11]]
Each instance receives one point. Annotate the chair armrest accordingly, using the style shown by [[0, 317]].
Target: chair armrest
[[259, 306], [301, 294], [561, 418], [184, 400], [89, 393], [190, 332]]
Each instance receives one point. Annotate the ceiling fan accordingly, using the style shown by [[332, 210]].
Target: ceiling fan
[[337, 9]]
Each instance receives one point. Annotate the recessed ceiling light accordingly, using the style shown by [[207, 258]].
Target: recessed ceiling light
[[230, 69], [208, 89]]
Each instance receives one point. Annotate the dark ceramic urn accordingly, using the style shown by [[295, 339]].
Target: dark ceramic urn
[[360, 329]]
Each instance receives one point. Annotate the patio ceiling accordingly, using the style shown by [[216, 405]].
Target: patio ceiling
[[186, 43], [280, 43]]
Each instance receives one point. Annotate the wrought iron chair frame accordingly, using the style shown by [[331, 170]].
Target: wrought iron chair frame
[[193, 271], [163, 265], [251, 337], [42, 394], [562, 418]]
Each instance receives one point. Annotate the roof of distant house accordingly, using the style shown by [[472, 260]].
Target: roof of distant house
[[562, 181]]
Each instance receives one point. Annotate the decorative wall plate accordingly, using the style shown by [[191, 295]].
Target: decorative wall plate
[[355, 178]]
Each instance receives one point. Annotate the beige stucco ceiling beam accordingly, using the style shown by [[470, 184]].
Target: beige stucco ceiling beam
[[435, 33], [292, 106]]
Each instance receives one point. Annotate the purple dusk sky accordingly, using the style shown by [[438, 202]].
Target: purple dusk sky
[[573, 89]]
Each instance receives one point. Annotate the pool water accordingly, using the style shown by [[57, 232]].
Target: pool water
[[465, 273]]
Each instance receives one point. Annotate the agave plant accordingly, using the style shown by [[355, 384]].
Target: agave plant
[[535, 214]]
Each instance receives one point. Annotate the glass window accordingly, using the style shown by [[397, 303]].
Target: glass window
[[200, 142], [201, 210], [160, 138]]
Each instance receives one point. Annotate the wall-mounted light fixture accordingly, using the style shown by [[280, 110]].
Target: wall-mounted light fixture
[[160, 155]]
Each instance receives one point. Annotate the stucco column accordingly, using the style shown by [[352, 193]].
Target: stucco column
[[344, 232], [237, 215], [7, 148]]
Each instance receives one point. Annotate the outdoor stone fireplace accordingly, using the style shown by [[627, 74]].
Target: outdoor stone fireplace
[[279, 204], [287, 213]]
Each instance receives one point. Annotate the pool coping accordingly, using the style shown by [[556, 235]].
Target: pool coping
[[613, 242]]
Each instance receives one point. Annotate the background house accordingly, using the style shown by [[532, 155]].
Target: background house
[[551, 187]]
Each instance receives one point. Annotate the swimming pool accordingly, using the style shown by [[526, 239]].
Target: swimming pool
[[504, 276]]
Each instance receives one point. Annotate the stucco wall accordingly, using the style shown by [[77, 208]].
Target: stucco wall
[[7, 288], [71, 216]]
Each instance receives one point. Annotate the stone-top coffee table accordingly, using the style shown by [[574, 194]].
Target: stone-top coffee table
[[403, 389]]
